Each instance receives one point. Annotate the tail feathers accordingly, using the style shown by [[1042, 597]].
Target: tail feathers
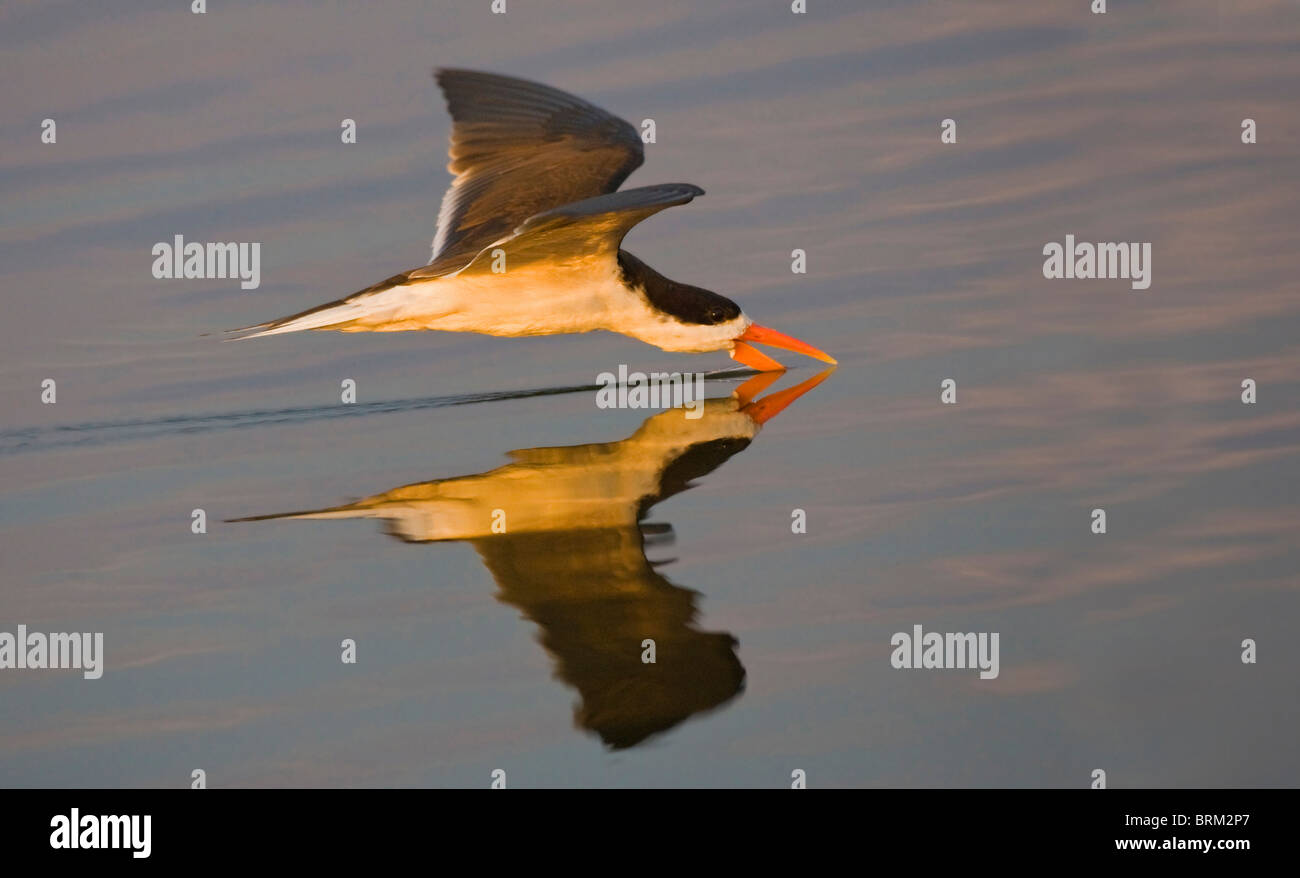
[[333, 316], [335, 512], [326, 316]]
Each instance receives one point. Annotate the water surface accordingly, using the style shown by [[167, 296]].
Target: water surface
[[818, 132]]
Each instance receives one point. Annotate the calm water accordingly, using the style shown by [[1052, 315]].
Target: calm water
[[819, 132]]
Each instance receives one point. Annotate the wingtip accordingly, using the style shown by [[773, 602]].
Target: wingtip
[[688, 189], [441, 74]]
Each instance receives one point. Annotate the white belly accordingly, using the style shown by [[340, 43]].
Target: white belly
[[528, 302]]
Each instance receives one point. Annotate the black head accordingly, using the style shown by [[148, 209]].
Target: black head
[[683, 302]]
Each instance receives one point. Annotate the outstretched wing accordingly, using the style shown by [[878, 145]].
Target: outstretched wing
[[517, 149], [583, 230]]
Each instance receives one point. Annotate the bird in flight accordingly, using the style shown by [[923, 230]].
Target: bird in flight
[[529, 234]]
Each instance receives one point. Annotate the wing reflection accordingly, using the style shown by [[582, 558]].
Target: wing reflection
[[572, 557]]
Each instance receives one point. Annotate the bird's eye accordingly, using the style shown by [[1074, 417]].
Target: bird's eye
[[716, 315]]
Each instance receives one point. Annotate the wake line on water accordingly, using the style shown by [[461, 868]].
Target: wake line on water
[[26, 439]]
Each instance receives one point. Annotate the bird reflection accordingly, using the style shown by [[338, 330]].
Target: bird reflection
[[564, 533]]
